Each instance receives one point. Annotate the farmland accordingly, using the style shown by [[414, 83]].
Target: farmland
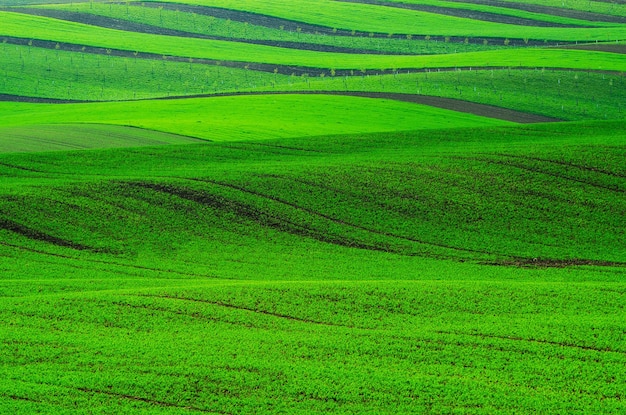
[[261, 207]]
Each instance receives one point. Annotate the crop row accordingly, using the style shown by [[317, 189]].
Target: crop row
[[33, 27], [55, 73], [278, 33], [372, 18]]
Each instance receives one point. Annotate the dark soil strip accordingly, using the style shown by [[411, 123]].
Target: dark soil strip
[[554, 11], [253, 310], [611, 1], [13, 166], [35, 100], [21, 398], [36, 235], [125, 25], [467, 14], [517, 338], [150, 401], [295, 26], [603, 47]]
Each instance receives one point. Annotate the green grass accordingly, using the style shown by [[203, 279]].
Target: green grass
[[504, 11], [211, 26], [368, 18], [38, 72], [594, 6], [567, 95], [248, 117], [37, 138], [255, 361], [330, 311], [50, 73], [422, 193], [30, 27], [308, 254]]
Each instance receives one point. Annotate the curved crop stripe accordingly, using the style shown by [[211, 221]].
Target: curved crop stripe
[[34, 27]]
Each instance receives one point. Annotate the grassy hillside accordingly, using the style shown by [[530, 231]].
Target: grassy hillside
[[338, 274], [312, 207]]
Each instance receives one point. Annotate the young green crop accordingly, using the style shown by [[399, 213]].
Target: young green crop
[[469, 266], [212, 26], [501, 10], [54, 73], [38, 138], [249, 117], [146, 318], [567, 95], [614, 9], [29, 27], [371, 18]]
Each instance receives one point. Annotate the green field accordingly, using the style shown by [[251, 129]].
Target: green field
[[312, 207]]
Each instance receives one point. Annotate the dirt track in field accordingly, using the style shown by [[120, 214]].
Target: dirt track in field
[[468, 14], [554, 11]]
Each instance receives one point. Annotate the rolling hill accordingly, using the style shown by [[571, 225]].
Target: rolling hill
[[338, 207]]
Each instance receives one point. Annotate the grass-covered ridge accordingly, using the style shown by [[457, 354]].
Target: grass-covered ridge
[[29, 27], [359, 238], [254, 117], [312, 207]]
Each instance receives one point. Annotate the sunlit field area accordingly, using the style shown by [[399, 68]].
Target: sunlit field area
[[312, 207]]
